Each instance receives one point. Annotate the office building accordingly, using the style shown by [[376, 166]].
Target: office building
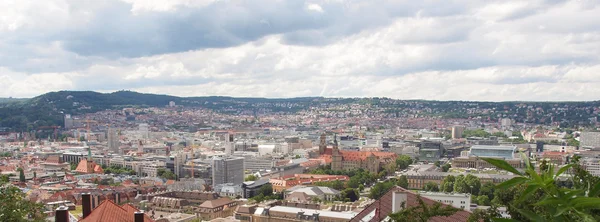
[[430, 150], [457, 132], [113, 140], [504, 152], [227, 170], [589, 139], [457, 200]]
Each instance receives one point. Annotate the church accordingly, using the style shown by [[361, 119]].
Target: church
[[349, 160]]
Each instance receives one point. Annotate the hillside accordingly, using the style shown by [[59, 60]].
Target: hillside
[[49, 109]]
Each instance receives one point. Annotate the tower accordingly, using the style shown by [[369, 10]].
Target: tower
[[229, 145], [336, 156], [322, 144]]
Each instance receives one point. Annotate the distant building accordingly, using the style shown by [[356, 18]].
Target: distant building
[[346, 160], [88, 166], [323, 193], [430, 150], [457, 132], [113, 140], [457, 200], [227, 170], [504, 152], [287, 182], [219, 208], [589, 139]]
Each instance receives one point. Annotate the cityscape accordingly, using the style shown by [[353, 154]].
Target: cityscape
[[298, 111]]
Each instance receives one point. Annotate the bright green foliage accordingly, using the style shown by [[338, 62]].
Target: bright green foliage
[[431, 186], [403, 161], [118, 170], [448, 184], [250, 178], [445, 167], [403, 182], [539, 198], [487, 189], [487, 215], [476, 133], [14, 206], [422, 212], [266, 193], [483, 200], [167, 174], [380, 189], [336, 184]]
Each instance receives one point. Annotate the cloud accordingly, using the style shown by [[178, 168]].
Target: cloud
[[462, 50]]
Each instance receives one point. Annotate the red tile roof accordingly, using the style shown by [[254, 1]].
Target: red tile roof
[[384, 207], [109, 211]]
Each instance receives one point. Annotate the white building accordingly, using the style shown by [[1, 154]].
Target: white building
[[589, 139], [457, 200]]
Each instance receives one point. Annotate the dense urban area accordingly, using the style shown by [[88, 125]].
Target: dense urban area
[[146, 157]]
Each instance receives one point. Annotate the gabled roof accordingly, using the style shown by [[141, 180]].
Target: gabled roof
[[380, 209], [109, 211], [216, 203]]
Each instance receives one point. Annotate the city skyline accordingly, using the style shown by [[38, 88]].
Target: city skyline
[[476, 51]]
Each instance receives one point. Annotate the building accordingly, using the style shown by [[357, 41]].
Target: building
[[430, 151], [323, 193], [589, 139], [348, 160], [478, 163], [112, 140], [251, 187], [292, 214], [287, 182], [397, 199], [72, 158], [110, 211], [592, 165], [150, 168], [256, 164], [503, 152], [229, 145], [227, 170], [417, 180], [88, 166], [457, 132], [457, 200], [55, 163], [144, 130], [229, 190], [219, 208]]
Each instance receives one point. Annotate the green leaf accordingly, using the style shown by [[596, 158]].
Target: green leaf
[[512, 182], [595, 191], [587, 202], [550, 201], [502, 165], [530, 215], [528, 191], [563, 169], [504, 220]]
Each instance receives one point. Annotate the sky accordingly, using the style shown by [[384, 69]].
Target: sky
[[534, 50]]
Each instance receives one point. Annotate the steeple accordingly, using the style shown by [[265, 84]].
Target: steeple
[[322, 144], [89, 153], [335, 142]]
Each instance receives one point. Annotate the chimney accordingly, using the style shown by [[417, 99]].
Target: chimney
[[86, 203], [62, 214], [399, 200], [138, 216]]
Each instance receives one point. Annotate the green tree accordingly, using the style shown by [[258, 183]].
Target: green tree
[[380, 189], [488, 190], [403, 182], [250, 178], [350, 194], [437, 163], [34, 174], [483, 200], [431, 186], [486, 215], [15, 207], [448, 184], [403, 161], [361, 187], [422, 212], [537, 197], [446, 167]]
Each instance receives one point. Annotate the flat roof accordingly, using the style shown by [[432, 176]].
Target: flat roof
[[345, 215], [489, 147]]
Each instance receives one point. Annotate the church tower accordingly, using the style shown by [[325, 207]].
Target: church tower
[[322, 144], [336, 156]]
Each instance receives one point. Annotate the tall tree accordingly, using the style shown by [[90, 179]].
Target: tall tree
[[422, 212], [15, 207], [21, 175], [431, 186], [403, 182], [448, 184]]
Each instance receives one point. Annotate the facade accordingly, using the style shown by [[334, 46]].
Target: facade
[[323, 193], [150, 169], [348, 160], [219, 208], [287, 182], [73, 158], [457, 132], [291, 214], [457, 200], [229, 190], [256, 164], [113, 140], [503, 152], [227, 170], [251, 187], [430, 151], [589, 139], [417, 180], [478, 163], [592, 165], [54, 163]]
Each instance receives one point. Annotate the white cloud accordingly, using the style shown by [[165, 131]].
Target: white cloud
[[491, 51]]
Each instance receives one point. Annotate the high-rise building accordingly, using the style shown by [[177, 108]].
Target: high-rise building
[[227, 170], [68, 121], [144, 130], [457, 132], [589, 139], [229, 145], [113, 140]]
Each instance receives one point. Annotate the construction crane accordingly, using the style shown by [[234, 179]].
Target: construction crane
[[51, 127]]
